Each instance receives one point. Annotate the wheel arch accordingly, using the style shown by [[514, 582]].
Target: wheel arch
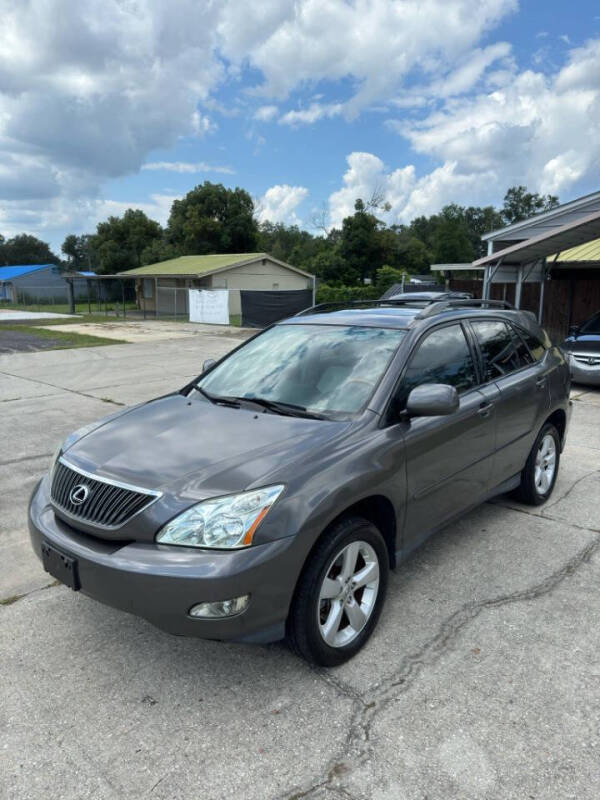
[[558, 418], [377, 509]]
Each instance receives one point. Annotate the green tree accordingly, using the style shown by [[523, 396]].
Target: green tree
[[159, 250], [452, 244], [413, 254], [480, 220], [79, 251], [360, 242], [519, 204], [333, 269], [120, 241], [213, 219], [26, 249], [387, 276]]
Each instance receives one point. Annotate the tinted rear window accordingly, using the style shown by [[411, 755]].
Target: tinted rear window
[[536, 347], [499, 354]]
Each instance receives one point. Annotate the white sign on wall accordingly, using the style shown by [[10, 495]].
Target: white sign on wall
[[209, 305]]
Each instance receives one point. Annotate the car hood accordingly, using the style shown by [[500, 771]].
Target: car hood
[[584, 344], [195, 449]]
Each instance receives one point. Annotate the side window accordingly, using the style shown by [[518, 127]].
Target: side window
[[521, 348], [497, 349], [441, 357], [536, 348]]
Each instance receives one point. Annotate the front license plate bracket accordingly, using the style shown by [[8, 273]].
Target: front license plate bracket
[[60, 566]]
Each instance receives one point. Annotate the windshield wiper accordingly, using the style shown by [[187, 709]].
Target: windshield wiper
[[279, 407], [218, 399]]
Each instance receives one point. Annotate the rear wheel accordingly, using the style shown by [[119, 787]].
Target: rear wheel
[[539, 476], [340, 593]]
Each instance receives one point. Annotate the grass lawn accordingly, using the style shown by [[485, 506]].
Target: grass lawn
[[59, 340], [63, 308], [84, 318]]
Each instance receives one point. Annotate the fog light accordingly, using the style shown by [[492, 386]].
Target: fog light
[[222, 608]]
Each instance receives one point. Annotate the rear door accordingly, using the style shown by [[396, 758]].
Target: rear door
[[521, 388], [448, 458]]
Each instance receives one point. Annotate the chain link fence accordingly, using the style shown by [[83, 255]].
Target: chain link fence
[[111, 297]]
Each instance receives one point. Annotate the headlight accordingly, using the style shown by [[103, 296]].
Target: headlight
[[222, 523]]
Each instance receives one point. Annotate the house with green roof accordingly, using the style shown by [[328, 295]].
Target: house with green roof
[[163, 286]]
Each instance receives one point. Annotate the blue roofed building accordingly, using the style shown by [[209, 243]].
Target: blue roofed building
[[38, 283]]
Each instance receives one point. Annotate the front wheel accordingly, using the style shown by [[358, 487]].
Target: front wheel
[[340, 593], [539, 476]]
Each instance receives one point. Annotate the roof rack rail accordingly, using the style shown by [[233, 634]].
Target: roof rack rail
[[399, 301], [447, 305]]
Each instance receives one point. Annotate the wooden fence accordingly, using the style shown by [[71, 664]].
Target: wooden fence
[[569, 298]]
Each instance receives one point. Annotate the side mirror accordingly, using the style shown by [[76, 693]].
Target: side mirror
[[573, 330], [432, 400], [210, 362]]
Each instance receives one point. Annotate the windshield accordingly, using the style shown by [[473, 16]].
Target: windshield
[[592, 325], [322, 368]]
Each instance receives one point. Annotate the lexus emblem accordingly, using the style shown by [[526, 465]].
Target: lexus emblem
[[591, 361], [79, 494]]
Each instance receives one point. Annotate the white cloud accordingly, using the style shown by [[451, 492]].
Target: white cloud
[[158, 207], [203, 124], [540, 130], [279, 203], [90, 88], [375, 43], [266, 113], [187, 167], [543, 131], [315, 111], [408, 195]]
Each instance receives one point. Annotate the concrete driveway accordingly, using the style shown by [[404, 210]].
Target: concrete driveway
[[482, 680]]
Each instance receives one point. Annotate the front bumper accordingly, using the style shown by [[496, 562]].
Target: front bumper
[[161, 583], [584, 373]]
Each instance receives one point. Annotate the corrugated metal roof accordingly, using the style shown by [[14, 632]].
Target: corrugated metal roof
[[575, 234], [510, 231], [16, 270], [590, 251], [395, 288], [195, 265]]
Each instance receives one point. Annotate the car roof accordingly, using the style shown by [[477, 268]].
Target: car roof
[[376, 317], [421, 313]]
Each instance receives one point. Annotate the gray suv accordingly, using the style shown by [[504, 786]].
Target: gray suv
[[270, 496]]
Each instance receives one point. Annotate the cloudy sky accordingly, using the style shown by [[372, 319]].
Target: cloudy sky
[[308, 104]]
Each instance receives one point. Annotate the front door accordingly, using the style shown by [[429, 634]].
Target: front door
[[448, 458]]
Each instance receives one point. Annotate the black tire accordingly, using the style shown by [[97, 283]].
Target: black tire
[[304, 629], [529, 492]]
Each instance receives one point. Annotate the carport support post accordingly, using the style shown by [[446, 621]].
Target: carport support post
[[486, 276], [519, 286], [542, 287], [156, 297], [123, 297], [314, 290], [71, 296]]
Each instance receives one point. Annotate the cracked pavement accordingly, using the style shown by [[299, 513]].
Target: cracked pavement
[[481, 681]]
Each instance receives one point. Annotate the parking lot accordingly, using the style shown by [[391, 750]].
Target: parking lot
[[481, 681]]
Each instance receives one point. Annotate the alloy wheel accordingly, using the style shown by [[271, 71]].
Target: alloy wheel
[[545, 464], [348, 593]]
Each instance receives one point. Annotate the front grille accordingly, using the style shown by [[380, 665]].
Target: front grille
[[589, 360], [104, 503]]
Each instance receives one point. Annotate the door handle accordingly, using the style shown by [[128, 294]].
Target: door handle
[[485, 408], [540, 382]]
